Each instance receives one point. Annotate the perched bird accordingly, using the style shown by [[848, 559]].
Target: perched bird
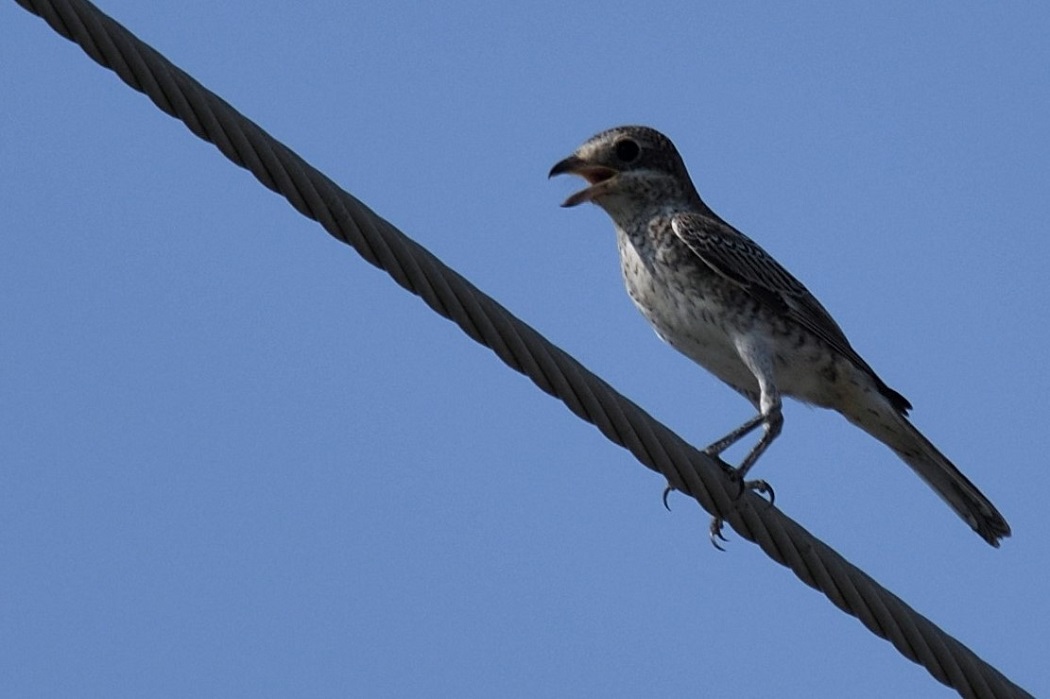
[[713, 294]]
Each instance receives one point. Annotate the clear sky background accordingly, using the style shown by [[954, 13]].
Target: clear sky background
[[236, 460]]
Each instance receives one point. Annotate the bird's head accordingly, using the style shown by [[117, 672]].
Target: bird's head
[[628, 167]]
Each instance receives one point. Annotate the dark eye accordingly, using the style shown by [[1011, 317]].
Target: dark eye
[[627, 150]]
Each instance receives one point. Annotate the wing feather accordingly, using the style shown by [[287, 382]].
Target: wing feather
[[737, 258]]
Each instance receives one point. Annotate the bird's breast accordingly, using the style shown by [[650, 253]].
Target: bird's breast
[[686, 304]]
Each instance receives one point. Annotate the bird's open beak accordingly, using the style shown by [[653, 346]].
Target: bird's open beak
[[598, 176]]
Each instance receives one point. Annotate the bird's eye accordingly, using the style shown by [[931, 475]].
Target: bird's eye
[[627, 150]]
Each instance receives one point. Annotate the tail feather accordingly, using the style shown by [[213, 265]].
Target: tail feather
[[893, 429]]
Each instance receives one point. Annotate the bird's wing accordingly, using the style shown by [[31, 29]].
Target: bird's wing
[[734, 256]]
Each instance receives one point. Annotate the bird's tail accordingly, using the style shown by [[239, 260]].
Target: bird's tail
[[893, 429]]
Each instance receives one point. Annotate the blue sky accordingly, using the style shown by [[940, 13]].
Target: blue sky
[[239, 461]]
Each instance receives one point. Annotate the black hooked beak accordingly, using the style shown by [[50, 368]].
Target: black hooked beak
[[596, 176], [571, 165]]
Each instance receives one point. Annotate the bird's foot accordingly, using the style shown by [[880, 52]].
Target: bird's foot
[[717, 523], [716, 532], [760, 487]]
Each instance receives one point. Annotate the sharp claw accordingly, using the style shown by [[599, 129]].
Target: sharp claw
[[716, 533], [667, 491], [717, 523], [762, 488]]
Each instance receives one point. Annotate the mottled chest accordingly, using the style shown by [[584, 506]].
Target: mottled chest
[[684, 300]]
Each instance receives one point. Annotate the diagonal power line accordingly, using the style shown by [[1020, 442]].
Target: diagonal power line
[[521, 348]]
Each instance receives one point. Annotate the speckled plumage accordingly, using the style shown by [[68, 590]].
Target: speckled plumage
[[720, 299]]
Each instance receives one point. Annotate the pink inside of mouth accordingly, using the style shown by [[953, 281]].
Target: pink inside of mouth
[[594, 175]]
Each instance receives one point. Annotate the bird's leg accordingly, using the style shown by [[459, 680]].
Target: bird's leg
[[719, 446], [716, 448], [770, 417], [773, 422], [773, 419], [759, 360]]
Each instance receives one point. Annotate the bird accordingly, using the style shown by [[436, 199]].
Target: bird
[[716, 296]]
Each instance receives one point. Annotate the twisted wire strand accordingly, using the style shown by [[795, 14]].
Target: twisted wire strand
[[521, 347]]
